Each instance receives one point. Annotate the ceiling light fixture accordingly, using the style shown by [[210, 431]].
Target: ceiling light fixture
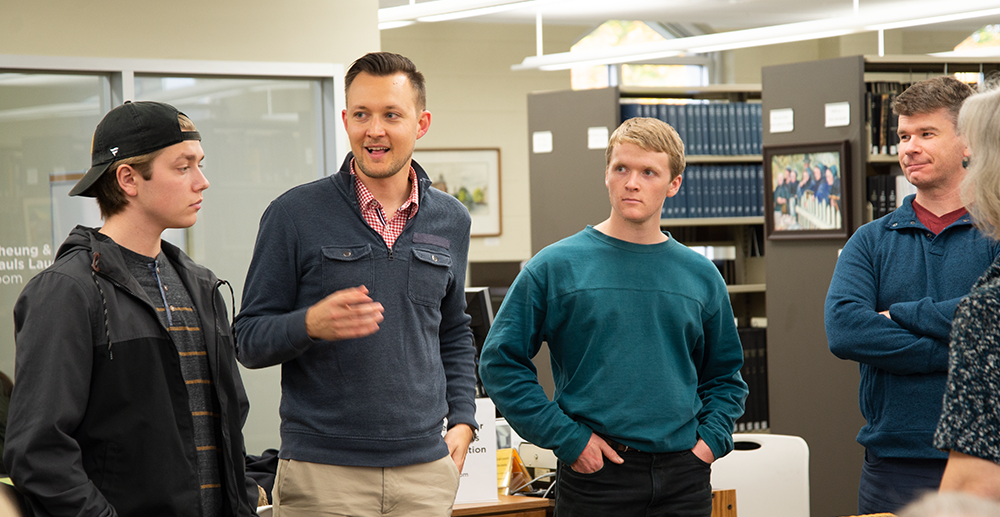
[[864, 21], [445, 10]]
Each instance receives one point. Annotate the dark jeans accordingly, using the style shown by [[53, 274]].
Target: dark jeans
[[675, 484], [888, 484]]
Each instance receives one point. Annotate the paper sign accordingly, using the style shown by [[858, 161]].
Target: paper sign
[[478, 483], [838, 114], [597, 137], [782, 120], [541, 142]]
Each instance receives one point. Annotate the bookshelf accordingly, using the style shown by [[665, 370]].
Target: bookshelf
[[813, 394], [568, 191], [574, 169], [884, 78]]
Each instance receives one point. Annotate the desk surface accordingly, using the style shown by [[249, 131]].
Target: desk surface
[[507, 505]]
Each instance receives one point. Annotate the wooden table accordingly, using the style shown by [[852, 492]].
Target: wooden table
[[723, 505], [508, 506]]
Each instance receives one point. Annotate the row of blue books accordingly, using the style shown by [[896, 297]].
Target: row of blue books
[[723, 190], [724, 128]]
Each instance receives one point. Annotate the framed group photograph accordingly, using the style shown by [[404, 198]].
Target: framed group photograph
[[807, 191], [473, 177]]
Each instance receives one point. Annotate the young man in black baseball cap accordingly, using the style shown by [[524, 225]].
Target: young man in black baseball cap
[[127, 399]]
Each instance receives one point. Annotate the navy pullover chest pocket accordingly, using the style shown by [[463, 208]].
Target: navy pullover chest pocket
[[348, 266], [428, 276]]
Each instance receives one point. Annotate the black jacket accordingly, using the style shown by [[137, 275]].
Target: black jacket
[[99, 421]]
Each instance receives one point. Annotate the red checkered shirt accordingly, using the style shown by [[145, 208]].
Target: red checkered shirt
[[374, 215]]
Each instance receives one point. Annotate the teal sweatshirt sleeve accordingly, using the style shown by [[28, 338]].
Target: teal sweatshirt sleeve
[[721, 388], [511, 379]]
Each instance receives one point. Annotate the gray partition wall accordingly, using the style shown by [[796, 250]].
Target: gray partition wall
[[568, 179], [812, 393]]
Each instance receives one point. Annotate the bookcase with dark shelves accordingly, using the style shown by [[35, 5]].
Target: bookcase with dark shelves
[[884, 78], [812, 393], [568, 191]]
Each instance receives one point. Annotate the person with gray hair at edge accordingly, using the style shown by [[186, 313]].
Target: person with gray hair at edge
[[128, 400], [357, 289], [893, 295], [951, 505], [969, 428]]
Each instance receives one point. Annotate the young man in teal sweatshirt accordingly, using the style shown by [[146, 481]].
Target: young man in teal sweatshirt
[[645, 353]]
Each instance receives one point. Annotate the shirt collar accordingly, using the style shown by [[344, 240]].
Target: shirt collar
[[368, 202]]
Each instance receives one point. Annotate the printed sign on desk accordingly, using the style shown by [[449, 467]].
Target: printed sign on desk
[[479, 477]]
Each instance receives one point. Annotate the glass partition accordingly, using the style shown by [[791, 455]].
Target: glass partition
[[261, 137], [46, 124]]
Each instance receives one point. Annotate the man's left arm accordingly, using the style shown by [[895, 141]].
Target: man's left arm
[[458, 356], [926, 317], [720, 385]]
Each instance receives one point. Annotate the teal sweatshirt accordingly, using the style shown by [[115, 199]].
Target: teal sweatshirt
[[642, 343]]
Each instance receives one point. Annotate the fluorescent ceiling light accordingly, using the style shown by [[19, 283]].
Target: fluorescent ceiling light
[[864, 21], [482, 11], [435, 8], [934, 19], [394, 25]]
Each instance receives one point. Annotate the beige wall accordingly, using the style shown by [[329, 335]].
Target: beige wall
[[330, 31], [477, 101]]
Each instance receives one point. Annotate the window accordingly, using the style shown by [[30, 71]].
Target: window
[[614, 33]]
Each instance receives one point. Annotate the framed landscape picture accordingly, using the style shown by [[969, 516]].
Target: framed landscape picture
[[807, 190], [473, 177]]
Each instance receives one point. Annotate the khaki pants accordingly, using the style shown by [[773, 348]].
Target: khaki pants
[[308, 489]]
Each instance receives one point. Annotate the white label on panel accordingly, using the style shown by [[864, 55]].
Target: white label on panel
[[838, 114], [597, 137], [782, 120], [491, 241], [541, 142]]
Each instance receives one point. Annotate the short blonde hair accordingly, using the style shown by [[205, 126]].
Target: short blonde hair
[[979, 122], [651, 135]]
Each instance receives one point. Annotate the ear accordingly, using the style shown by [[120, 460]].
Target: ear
[[126, 175], [343, 116], [675, 185], [423, 123]]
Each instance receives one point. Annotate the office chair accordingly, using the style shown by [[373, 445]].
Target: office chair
[[770, 474]]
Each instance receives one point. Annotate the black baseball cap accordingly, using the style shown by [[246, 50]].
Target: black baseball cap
[[132, 129]]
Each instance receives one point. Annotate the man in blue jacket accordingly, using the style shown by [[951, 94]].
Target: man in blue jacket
[[357, 289], [894, 294], [645, 353]]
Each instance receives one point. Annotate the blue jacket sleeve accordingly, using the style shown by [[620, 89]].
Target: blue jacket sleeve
[[270, 328], [511, 379], [925, 317], [721, 388], [52, 386], [856, 331]]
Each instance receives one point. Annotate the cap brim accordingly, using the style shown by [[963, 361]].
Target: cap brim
[[83, 186]]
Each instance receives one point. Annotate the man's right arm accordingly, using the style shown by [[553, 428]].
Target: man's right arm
[[52, 388], [511, 379], [856, 331], [272, 328]]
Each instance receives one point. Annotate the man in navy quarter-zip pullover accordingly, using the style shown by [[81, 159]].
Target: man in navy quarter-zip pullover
[[357, 289]]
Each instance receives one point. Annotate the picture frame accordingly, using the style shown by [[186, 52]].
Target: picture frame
[[473, 177], [812, 206]]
